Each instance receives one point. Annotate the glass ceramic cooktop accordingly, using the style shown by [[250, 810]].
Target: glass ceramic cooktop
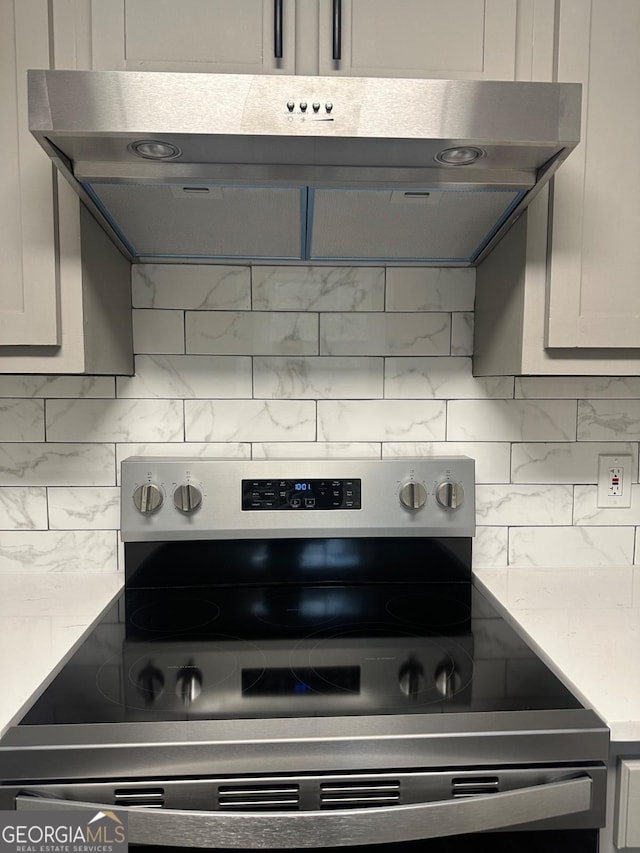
[[293, 651]]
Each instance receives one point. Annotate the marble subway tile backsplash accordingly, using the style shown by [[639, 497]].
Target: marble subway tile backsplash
[[571, 546], [21, 420], [54, 464], [59, 551], [271, 362]]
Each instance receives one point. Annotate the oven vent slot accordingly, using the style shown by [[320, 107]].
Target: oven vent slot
[[475, 786], [245, 796], [336, 795], [139, 798]]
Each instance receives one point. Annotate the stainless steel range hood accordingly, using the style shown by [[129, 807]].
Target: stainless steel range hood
[[214, 167]]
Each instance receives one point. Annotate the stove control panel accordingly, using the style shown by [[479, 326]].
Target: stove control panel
[[301, 495], [199, 498]]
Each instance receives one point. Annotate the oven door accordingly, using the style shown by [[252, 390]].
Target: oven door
[[550, 809]]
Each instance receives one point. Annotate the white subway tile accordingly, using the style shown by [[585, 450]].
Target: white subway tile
[[381, 420], [462, 325], [490, 547], [57, 464], [57, 386], [317, 450], [158, 331], [491, 458], [23, 508], [193, 287], [84, 508], [250, 420], [564, 462], [252, 333], [441, 378], [608, 419], [187, 376], [317, 377], [58, 551], [511, 420], [318, 288], [587, 511], [578, 387], [571, 546], [385, 334], [21, 420], [508, 505], [430, 289], [115, 420]]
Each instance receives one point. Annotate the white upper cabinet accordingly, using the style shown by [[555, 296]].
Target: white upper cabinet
[[459, 39], [28, 287], [65, 304], [570, 305], [227, 36], [594, 285], [455, 39]]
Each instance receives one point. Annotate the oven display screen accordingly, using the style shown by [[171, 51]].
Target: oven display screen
[[282, 681], [301, 495]]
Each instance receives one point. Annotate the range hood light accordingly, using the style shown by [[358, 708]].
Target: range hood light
[[151, 149], [459, 156]]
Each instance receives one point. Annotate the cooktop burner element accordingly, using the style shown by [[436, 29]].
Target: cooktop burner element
[[178, 614], [306, 607], [441, 611]]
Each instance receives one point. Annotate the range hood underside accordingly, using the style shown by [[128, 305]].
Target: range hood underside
[[358, 185]]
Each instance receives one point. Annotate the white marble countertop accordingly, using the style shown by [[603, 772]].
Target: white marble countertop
[[585, 624], [42, 618]]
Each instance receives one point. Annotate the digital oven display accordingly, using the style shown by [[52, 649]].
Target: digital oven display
[[300, 495]]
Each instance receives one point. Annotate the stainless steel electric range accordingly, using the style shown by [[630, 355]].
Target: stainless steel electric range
[[299, 659]]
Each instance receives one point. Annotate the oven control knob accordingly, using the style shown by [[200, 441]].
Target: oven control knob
[[148, 498], [187, 498], [411, 679], [449, 494], [150, 684], [447, 680], [413, 495], [189, 685]]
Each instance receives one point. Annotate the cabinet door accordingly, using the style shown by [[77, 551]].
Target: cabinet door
[[228, 36], [594, 288], [421, 38], [28, 291]]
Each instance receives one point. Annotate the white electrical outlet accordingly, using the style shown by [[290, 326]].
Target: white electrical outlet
[[614, 480]]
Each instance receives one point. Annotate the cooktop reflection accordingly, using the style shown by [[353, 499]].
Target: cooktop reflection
[[295, 651]]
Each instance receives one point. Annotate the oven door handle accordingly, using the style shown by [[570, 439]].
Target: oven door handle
[[337, 827]]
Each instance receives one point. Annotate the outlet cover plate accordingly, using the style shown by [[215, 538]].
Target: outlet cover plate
[[605, 463]]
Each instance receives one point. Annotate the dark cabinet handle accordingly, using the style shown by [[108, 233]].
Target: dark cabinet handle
[[337, 30], [277, 28]]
